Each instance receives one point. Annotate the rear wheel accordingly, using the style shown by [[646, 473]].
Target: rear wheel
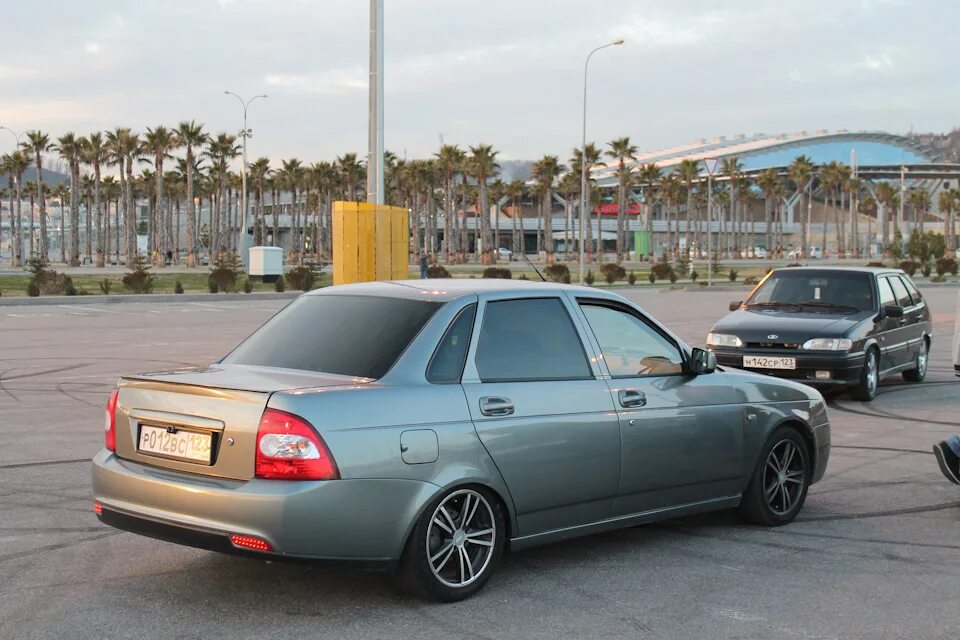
[[919, 372], [455, 546], [866, 388], [778, 487]]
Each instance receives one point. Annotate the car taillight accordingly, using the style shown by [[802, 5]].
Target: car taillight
[[288, 448], [110, 421], [250, 542]]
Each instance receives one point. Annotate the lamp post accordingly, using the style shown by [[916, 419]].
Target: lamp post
[[244, 134], [583, 155]]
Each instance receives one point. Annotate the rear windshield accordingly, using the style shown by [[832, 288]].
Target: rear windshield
[[827, 290], [358, 336]]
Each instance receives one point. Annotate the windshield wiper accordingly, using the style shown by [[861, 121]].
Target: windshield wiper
[[773, 305], [826, 305]]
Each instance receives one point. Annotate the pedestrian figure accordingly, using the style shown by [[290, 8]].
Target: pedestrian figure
[[424, 263]]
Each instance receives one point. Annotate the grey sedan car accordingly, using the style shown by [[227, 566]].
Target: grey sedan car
[[425, 427]]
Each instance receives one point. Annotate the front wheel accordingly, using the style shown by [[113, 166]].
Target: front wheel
[[455, 546], [779, 484], [919, 372], [866, 388]]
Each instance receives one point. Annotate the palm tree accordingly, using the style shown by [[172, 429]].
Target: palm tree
[[450, 158], [111, 193], [801, 173], [292, 172], [38, 143], [71, 149], [60, 192], [947, 203], [220, 151], [483, 165], [769, 183], [621, 150], [887, 198], [920, 203], [515, 190], [14, 164], [853, 186], [593, 157], [688, 170], [545, 172], [159, 142], [192, 137], [671, 190], [829, 178], [732, 168], [650, 175], [351, 168], [95, 154], [258, 171]]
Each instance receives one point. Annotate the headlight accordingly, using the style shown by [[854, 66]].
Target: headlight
[[828, 344], [723, 340]]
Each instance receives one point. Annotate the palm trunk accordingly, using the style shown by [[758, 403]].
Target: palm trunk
[[74, 213], [548, 224], [191, 213], [130, 214]]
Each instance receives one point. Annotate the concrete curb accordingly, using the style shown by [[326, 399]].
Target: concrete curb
[[152, 297]]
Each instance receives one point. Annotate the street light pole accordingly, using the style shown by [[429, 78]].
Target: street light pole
[[244, 134], [583, 155]]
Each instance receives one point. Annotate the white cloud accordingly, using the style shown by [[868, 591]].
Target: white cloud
[[92, 47], [333, 82]]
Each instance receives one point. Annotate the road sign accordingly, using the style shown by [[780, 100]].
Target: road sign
[[711, 165]]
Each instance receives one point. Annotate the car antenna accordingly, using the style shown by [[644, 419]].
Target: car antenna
[[528, 261]]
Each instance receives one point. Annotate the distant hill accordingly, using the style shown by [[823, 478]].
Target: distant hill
[[515, 169], [50, 177], [947, 145]]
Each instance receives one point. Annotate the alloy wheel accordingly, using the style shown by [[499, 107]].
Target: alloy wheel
[[922, 360], [872, 373], [784, 476], [460, 538]]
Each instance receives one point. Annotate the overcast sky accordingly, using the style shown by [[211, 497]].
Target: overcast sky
[[503, 72]]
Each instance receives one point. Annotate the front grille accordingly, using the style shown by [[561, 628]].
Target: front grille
[[773, 345]]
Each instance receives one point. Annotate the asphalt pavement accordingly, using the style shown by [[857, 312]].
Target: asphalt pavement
[[874, 554]]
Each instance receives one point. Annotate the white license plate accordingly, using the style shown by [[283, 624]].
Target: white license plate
[[183, 445], [769, 362]]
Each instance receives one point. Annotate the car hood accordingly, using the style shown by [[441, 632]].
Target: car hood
[[789, 326]]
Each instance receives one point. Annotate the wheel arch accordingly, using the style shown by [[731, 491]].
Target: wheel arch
[[805, 431]]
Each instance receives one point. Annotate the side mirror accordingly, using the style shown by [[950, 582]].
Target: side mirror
[[702, 362], [892, 311], [735, 305]]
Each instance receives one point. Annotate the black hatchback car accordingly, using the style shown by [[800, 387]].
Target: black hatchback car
[[828, 327]]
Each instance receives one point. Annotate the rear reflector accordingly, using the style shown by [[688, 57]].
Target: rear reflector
[[250, 542], [97, 508], [110, 421]]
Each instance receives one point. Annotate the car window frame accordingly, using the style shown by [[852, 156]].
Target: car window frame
[[911, 289], [619, 306], [891, 277], [471, 366], [880, 303], [466, 354]]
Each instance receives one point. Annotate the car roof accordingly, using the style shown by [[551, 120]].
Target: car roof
[[873, 270], [445, 289]]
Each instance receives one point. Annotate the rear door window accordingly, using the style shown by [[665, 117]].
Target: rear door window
[[358, 336], [887, 298], [914, 294], [530, 339], [900, 292]]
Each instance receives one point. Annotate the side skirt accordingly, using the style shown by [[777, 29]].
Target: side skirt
[[622, 522]]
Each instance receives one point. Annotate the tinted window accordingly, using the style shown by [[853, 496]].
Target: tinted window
[[900, 292], [795, 286], [886, 293], [447, 363], [914, 294], [350, 335], [529, 340], [630, 346]]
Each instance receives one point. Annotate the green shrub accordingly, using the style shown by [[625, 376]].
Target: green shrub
[[47, 281], [926, 269], [279, 286], [225, 271], [33, 290], [588, 279], [212, 285], [557, 272], [750, 280], [523, 276], [652, 276], [247, 286], [694, 275], [437, 271], [909, 267], [69, 289], [673, 277], [105, 285], [732, 275], [300, 278], [139, 279], [661, 270], [612, 272], [566, 278], [178, 287], [501, 273], [946, 265], [631, 278]]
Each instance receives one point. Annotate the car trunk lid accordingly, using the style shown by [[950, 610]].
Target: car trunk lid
[[214, 412]]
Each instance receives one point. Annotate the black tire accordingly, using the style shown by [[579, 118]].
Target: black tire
[[415, 573], [772, 498], [919, 372], [866, 387]]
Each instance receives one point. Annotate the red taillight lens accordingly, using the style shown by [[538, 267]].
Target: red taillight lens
[[249, 542], [288, 448], [110, 421], [97, 508]]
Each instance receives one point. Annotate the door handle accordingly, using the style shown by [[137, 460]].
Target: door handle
[[631, 398], [496, 406]]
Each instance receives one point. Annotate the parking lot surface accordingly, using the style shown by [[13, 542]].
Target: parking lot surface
[[874, 554]]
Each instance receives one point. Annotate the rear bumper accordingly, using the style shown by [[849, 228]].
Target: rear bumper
[[357, 521], [844, 368]]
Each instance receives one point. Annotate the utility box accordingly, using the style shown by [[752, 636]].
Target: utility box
[[266, 263]]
